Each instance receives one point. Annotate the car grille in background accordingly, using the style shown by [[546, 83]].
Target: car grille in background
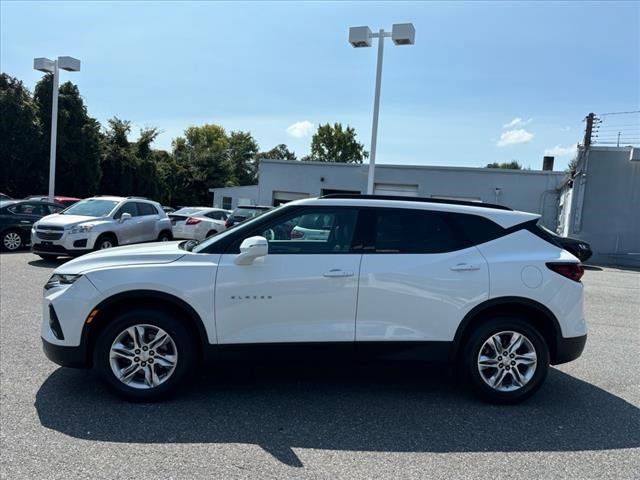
[[51, 227], [48, 235]]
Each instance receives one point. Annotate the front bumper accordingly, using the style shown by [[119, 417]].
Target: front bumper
[[568, 349], [62, 242], [57, 249], [75, 357]]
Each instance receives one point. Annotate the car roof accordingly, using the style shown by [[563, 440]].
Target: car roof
[[504, 217]]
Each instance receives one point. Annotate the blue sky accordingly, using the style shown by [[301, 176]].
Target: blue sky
[[451, 99]]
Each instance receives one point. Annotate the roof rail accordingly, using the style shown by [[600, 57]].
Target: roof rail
[[139, 198], [417, 199]]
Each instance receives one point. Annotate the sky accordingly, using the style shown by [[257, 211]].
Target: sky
[[484, 82]]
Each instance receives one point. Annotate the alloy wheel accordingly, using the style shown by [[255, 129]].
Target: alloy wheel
[[507, 361], [143, 356], [12, 241]]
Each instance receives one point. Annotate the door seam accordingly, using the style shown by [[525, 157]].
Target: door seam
[[355, 318]]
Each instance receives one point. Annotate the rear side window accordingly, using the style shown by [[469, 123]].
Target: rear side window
[[413, 231], [216, 215], [146, 209], [474, 229]]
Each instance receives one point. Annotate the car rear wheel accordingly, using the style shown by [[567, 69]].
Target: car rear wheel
[[505, 360], [12, 240], [105, 241], [144, 354], [164, 237]]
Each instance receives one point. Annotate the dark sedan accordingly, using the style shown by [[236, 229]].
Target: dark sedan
[[17, 217]]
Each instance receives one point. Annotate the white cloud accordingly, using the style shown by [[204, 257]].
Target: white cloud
[[513, 137], [559, 151], [517, 122], [300, 129]]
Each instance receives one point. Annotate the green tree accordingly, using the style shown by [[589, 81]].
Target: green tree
[[118, 163], [202, 159], [279, 152], [79, 140], [241, 150], [513, 165], [147, 178], [335, 144], [23, 166]]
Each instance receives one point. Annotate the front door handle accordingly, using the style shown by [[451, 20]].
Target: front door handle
[[465, 267], [337, 273]]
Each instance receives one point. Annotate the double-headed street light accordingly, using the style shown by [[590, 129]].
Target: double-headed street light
[[69, 64], [401, 34]]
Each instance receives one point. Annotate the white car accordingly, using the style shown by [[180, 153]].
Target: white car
[[98, 223], [479, 285], [198, 223]]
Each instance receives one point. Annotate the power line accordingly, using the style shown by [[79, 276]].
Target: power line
[[619, 113]]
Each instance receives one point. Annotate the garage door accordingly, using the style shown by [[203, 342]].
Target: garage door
[[283, 197], [396, 189]]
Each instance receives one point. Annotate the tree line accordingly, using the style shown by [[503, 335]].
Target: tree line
[[93, 159]]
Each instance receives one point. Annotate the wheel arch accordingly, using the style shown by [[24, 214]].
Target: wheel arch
[[141, 298], [108, 233], [535, 313]]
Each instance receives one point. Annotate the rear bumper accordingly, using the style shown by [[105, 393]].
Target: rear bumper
[[568, 349], [75, 357]]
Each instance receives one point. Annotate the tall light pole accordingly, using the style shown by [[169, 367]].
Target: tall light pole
[[69, 64], [401, 34]]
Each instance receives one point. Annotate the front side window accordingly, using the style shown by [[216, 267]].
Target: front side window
[[216, 215], [312, 231], [28, 209], [129, 207]]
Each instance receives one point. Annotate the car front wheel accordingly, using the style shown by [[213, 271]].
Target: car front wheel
[[505, 360], [12, 241], [144, 354]]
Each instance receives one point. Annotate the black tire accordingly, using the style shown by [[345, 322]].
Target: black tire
[[104, 239], [47, 257], [471, 351], [184, 344], [165, 236], [12, 240]]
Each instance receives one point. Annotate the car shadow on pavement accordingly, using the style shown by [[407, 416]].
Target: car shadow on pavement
[[361, 408], [49, 263]]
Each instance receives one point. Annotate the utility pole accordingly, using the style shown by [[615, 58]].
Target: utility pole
[[619, 139], [589, 130]]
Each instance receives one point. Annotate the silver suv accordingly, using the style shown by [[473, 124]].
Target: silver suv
[[98, 223]]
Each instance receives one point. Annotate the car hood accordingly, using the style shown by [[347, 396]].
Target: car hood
[[58, 220], [146, 253]]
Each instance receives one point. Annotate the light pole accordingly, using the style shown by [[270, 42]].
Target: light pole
[[401, 34], [69, 64]]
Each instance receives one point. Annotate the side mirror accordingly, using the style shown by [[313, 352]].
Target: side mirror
[[124, 217], [250, 249]]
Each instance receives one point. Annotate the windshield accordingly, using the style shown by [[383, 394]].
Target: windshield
[[201, 246], [247, 212], [91, 208]]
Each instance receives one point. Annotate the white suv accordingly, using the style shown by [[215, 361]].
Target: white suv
[[479, 285], [98, 223]]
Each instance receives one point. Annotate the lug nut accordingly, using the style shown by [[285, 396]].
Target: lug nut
[[144, 364], [145, 348], [513, 363], [137, 351], [151, 352], [500, 365], [507, 367], [512, 355], [505, 353], [499, 359], [150, 361], [136, 359]]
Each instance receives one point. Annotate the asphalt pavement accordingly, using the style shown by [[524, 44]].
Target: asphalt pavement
[[315, 422]]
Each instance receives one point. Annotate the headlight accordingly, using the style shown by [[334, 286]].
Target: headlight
[[57, 280], [87, 227]]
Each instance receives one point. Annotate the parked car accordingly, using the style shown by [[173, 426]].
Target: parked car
[[60, 200], [479, 285], [98, 223], [168, 210], [240, 214], [17, 217], [194, 223], [579, 248]]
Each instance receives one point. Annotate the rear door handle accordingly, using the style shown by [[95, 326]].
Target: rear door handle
[[337, 273], [465, 267]]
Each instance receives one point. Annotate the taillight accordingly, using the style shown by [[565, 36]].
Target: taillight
[[228, 223], [573, 271], [192, 221]]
